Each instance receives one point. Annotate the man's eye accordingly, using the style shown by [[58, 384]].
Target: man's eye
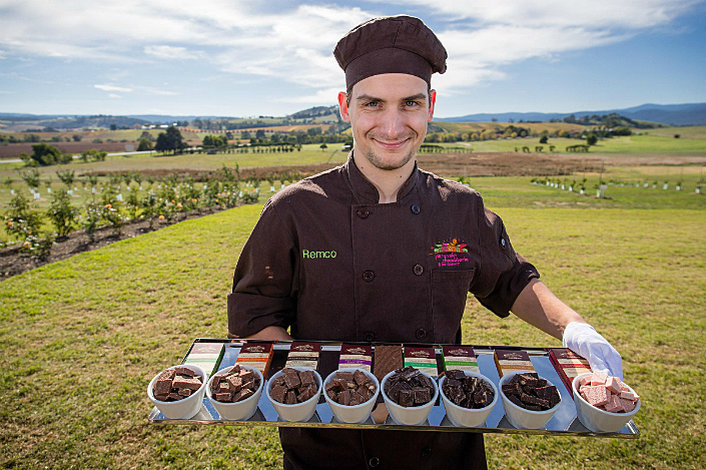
[[411, 103], [372, 104]]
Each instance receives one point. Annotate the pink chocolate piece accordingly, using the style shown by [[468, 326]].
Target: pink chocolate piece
[[613, 384], [628, 405], [596, 396], [598, 378], [628, 395], [585, 380], [614, 405]]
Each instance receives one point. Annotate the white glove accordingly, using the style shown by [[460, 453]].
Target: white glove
[[583, 339]]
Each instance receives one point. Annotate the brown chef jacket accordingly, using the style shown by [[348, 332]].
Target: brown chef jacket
[[329, 261]]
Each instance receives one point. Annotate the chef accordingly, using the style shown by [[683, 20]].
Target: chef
[[378, 250]]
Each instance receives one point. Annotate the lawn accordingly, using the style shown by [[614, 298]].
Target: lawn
[[81, 338]]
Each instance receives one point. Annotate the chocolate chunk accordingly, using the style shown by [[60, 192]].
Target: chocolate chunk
[[409, 387], [176, 384], [291, 378], [386, 359], [278, 392], [467, 391], [351, 388], [531, 392], [180, 370]]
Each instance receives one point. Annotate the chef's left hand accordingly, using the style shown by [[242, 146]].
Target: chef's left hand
[[585, 341]]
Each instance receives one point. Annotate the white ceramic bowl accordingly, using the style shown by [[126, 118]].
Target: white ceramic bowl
[[185, 408], [598, 420], [520, 417], [352, 413], [239, 410], [408, 415], [299, 411], [468, 417]]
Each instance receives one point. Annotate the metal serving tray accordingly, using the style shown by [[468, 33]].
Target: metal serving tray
[[564, 422]]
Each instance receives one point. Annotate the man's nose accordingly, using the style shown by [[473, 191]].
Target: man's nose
[[393, 123]]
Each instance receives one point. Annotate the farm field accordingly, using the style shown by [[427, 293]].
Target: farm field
[[82, 337], [102, 323]]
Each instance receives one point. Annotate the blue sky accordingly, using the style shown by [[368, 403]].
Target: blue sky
[[247, 58]]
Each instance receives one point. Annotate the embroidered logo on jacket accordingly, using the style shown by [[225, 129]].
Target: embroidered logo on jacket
[[450, 253], [319, 254]]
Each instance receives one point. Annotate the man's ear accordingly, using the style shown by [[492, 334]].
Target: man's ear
[[343, 107], [432, 103]]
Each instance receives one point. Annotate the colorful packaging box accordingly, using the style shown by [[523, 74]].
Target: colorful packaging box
[[568, 365], [355, 355], [303, 355], [257, 355], [512, 361], [205, 355], [423, 359], [461, 358]]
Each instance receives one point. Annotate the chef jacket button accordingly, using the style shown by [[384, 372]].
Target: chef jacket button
[[421, 333], [418, 269], [373, 462], [415, 209], [502, 242], [368, 276], [369, 337], [362, 213]]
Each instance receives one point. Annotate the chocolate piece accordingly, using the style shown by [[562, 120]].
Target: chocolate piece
[[409, 387], [467, 391], [531, 392], [294, 386], [350, 388], [234, 384], [422, 359], [175, 384], [599, 390], [387, 359]]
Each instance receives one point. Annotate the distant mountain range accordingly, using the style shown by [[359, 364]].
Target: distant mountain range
[[690, 114]]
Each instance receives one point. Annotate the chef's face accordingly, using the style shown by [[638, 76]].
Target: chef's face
[[388, 115]]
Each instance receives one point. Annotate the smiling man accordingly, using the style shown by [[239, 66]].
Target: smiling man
[[378, 250]]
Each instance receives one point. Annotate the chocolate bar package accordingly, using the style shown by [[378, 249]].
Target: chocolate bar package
[[461, 358], [205, 355], [568, 365], [257, 355], [303, 355], [512, 361], [355, 355], [386, 359], [423, 359]]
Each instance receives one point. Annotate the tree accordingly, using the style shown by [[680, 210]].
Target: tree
[[591, 139], [543, 139], [44, 155], [145, 144], [171, 140]]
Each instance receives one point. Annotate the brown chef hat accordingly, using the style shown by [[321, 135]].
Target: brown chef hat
[[390, 44]]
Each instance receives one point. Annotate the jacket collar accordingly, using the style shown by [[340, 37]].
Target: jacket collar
[[364, 192]]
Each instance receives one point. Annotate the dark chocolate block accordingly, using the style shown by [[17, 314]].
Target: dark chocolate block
[[467, 391], [405, 387]]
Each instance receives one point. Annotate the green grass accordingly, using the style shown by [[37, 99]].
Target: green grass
[[81, 338], [310, 154]]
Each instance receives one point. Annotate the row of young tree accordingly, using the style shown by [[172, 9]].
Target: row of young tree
[[120, 198]]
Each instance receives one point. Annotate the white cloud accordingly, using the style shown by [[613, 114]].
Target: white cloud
[[113, 88], [171, 52], [113, 95], [293, 40]]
